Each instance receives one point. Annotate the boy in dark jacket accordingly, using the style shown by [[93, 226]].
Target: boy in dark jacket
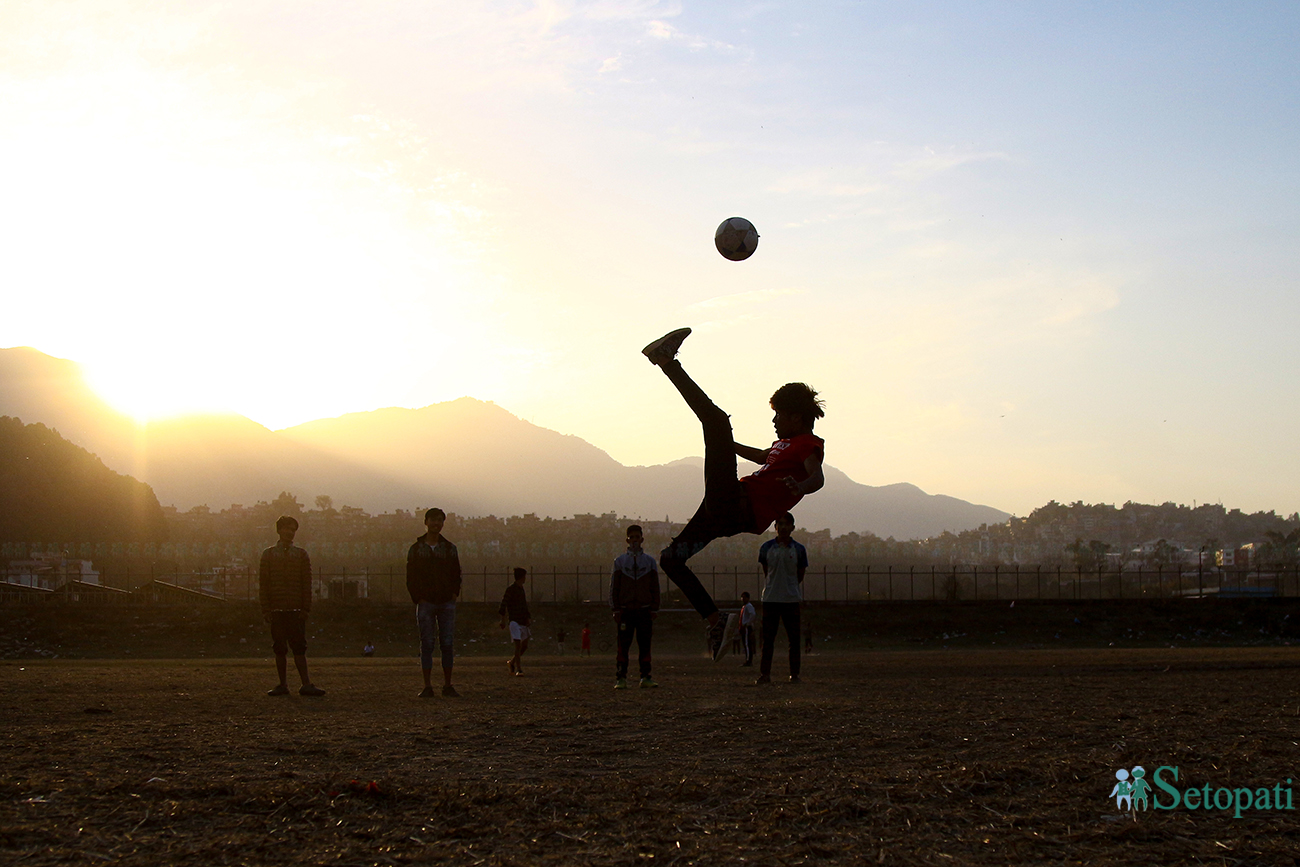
[[634, 598], [433, 580], [514, 610], [284, 585]]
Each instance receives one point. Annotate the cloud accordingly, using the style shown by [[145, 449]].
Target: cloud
[[660, 30], [932, 162]]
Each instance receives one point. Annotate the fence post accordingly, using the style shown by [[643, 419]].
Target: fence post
[[889, 588], [997, 587]]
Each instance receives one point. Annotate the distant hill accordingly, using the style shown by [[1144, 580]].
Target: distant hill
[[465, 455], [52, 490]]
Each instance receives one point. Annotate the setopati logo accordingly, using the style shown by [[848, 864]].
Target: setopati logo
[[1163, 792]]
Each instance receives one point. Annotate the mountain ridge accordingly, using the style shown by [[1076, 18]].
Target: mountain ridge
[[469, 456]]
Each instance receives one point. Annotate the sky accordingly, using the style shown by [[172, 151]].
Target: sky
[[1025, 251]]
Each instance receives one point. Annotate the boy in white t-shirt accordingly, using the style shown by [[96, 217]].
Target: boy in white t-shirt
[[784, 563], [747, 617]]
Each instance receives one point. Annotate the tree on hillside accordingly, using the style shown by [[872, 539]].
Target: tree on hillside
[[1281, 548], [53, 490], [1089, 556], [286, 504]]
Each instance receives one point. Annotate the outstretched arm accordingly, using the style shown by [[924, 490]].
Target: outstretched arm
[[749, 453]]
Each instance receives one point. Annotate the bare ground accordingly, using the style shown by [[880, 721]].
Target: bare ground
[[927, 757]]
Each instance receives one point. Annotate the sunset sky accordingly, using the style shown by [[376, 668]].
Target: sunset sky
[[1026, 251]]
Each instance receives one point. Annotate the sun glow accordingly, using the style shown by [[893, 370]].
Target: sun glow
[[221, 262]]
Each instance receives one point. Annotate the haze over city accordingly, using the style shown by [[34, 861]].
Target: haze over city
[[1025, 253]]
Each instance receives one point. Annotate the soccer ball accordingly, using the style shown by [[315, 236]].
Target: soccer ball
[[736, 238]]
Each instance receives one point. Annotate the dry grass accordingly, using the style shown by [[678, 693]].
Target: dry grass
[[977, 757]]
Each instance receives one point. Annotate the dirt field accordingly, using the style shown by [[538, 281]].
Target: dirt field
[[927, 757]]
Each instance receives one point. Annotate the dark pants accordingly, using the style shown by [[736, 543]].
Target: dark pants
[[638, 622], [441, 617], [289, 632], [774, 614], [747, 643], [725, 510]]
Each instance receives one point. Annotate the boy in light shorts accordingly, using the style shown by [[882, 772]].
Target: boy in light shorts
[[514, 610]]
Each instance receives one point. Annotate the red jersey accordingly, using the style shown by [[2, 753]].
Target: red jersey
[[768, 493]]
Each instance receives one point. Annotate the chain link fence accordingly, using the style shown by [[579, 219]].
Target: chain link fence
[[554, 584]]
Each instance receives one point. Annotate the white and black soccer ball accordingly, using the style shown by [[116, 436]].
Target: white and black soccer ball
[[736, 238]]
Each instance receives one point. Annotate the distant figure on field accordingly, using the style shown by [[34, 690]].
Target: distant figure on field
[[784, 563], [284, 585], [586, 639], [559, 641], [369, 649], [634, 600], [789, 469], [433, 580], [514, 610], [747, 617]]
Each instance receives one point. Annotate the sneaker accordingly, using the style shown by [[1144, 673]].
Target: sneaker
[[621, 683], [308, 689], [794, 678], [724, 630], [648, 682], [427, 692], [278, 689], [450, 691], [762, 679], [665, 348]]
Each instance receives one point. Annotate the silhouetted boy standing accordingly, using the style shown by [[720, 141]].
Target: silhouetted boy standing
[[634, 599], [784, 563], [514, 610], [433, 580], [284, 586]]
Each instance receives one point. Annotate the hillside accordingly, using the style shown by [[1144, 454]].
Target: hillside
[[468, 456], [51, 489]]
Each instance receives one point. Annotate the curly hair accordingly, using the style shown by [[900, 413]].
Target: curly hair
[[796, 398]]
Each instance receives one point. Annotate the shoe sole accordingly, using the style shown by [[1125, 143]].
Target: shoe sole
[[653, 347], [728, 633]]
